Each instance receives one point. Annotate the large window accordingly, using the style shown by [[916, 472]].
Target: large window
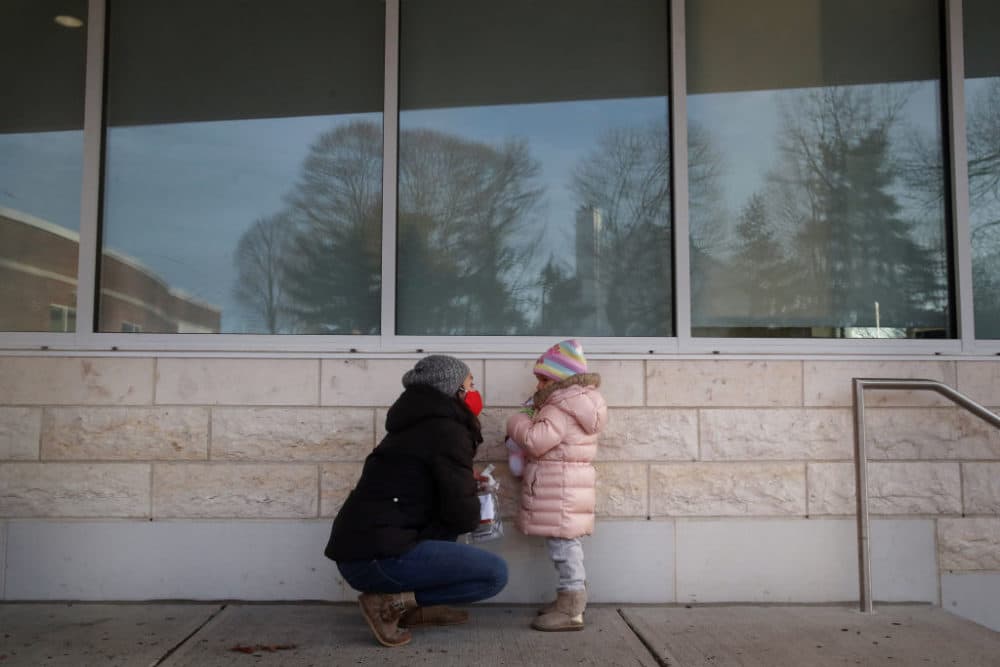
[[243, 184], [982, 118], [42, 65], [234, 156], [534, 179], [815, 166]]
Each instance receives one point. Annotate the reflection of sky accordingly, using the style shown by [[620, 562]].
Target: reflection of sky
[[41, 173], [559, 135], [178, 197], [744, 128]]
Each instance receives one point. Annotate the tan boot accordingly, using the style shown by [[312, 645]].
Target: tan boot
[[382, 612], [436, 615], [568, 614], [550, 607], [547, 609]]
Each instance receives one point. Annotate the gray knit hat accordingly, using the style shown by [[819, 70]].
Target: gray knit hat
[[444, 373]]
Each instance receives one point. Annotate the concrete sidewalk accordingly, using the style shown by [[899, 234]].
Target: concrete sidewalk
[[238, 634]]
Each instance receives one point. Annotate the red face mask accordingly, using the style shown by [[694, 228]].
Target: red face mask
[[474, 401]]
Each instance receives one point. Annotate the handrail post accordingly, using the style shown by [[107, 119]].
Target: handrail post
[[861, 487], [861, 459]]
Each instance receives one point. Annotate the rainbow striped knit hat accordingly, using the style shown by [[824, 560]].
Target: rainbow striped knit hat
[[561, 361]]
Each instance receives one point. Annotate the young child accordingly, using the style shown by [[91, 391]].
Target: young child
[[559, 441]]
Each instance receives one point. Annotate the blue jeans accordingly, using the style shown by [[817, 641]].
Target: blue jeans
[[437, 572]]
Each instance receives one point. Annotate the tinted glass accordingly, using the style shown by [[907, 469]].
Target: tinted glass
[[534, 169], [244, 167], [42, 66], [816, 179], [982, 117]]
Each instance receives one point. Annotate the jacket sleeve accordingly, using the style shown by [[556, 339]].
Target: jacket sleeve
[[455, 487], [540, 434]]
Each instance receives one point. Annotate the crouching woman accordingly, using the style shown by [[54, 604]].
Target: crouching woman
[[394, 539]]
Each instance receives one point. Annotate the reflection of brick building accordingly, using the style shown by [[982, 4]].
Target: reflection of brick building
[[38, 268]]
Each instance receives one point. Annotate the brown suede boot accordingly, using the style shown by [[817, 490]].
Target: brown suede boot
[[382, 612], [568, 614], [436, 615]]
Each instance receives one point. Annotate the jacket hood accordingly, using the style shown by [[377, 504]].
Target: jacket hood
[[420, 403], [577, 395]]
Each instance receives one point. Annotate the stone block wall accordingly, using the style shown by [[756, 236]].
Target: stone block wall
[[689, 442]]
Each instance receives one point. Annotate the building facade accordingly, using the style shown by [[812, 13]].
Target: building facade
[[232, 251]]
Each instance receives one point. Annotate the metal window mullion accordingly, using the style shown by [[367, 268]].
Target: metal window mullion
[[390, 173], [959, 173], [93, 120], [679, 174]]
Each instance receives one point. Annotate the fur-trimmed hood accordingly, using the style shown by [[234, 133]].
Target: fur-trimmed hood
[[578, 380]]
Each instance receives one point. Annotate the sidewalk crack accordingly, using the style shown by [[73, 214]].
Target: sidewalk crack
[[191, 634], [661, 660]]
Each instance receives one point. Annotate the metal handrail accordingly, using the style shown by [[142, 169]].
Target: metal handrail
[[861, 459]]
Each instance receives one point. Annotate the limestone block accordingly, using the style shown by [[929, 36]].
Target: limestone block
[[251, 491], [714, 383], [336, 482], [982, 488], [649, 434], [110, 490], [893, 488], [373, 382], [969, 544], [494, 424], [980, 381], [20, 429], [831, 488], [727, 489], [509, 382], [828, 383], [124, 434], [622, 490], [75, 381], [622, 381], [237, 381], [776, 433], [929, 433], [292, 434]]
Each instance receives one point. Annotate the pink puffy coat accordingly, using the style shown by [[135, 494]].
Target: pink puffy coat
[[557, 489]]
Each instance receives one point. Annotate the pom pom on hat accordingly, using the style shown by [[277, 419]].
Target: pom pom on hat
[[444, 373], [561, 361]]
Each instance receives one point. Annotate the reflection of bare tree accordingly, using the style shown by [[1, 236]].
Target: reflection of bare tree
[[333, 269], [561, 308], [464, 211], [835, 187], [626, 178], [760, 261], [925, 175], [259, 258], [983, 131]]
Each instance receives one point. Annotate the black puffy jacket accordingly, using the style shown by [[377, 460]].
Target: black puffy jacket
[[416, 485]]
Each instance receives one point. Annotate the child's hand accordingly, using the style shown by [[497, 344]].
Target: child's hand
[[515, 458]]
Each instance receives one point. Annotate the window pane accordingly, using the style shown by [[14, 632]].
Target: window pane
[[244, 167], [534, 169], [42, 66], [816, 179], [982, 102]]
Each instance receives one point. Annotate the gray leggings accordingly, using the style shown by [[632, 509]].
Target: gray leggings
[[567, 556]]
